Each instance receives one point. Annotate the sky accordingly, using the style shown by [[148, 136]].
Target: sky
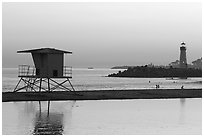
[[102, 35]]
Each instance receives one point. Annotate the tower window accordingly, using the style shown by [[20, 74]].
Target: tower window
[[55, 73], [37, 71]]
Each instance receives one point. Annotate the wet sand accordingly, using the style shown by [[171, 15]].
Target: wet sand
[[102, 95]]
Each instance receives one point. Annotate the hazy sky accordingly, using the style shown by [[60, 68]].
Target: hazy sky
[[102, 34]]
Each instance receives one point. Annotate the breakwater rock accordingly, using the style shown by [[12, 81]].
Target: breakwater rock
[[153, 72]]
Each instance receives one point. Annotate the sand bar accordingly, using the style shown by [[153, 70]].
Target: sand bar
[[102, 95]]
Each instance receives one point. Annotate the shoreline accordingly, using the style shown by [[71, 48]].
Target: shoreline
[[102, 95]]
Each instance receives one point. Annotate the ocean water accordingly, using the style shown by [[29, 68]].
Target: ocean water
[[96, 79], [105, 117]]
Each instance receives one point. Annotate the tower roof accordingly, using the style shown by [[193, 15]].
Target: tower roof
[[45, 50], [183, 43]]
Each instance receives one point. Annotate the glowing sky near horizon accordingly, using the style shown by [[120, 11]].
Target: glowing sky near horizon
[[102, 34]]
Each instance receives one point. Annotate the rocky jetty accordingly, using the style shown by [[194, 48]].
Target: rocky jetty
[[157, 72]]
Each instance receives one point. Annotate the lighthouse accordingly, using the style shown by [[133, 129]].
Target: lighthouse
[[183, 60]]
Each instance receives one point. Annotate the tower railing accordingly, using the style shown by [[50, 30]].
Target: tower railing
[[30, 71], [67, 71], [26, 70]]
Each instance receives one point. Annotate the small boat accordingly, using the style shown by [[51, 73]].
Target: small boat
[[90, 68]]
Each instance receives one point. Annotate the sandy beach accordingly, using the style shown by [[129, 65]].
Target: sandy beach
[[102, 95]]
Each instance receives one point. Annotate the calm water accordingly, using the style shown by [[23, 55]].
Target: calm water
[[169, 116], [88, 79]]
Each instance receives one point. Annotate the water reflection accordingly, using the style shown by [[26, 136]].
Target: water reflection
[[48, 123], [182, 111], [182, 102], [169, 116]]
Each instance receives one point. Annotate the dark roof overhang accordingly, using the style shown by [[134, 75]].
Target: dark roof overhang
[[45, 50]]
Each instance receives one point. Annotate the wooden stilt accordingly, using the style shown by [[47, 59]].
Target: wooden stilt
[[71, 84], [60, 84], [40, 84], [36, 83], [17, 85], [48, 84]]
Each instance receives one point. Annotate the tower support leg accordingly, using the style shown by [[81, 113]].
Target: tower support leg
[[48, 84], [17, 85], [36, 84], [59, 85], [71, 84], [40, 84], [28, 85]]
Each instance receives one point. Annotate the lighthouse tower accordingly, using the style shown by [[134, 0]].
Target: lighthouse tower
[[183, 60]]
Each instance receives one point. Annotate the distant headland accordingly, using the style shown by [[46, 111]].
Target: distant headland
[[121, 67], [179, 68], [158, 72]]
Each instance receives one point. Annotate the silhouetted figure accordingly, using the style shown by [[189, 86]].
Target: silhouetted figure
[[149, 81], [182, 87]]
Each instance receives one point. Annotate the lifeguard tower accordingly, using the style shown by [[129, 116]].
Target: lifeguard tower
[[46, 73]]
